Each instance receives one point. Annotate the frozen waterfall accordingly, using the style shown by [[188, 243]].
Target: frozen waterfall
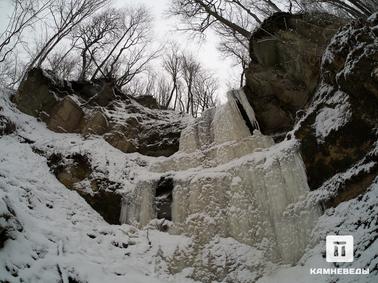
[[229, 180]]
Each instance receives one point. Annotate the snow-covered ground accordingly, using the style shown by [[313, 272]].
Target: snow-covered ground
[[57, 237]]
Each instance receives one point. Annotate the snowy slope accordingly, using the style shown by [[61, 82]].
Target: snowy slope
[[60, 236]]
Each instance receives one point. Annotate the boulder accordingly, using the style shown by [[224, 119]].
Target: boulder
[[39, 92], [95, 123], [121, 141], [105, 95], [284, 71], [66, 116], [147, 101], [86, 89]]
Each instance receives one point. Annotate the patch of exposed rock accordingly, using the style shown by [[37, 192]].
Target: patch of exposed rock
[[76, 173], [284, 72], [99, 108], [6, 126], [9, 224]]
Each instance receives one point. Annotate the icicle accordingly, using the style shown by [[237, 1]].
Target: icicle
[[123, 214], [239, 96]]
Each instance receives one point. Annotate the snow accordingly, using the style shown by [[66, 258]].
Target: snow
[[332, 118], [54, 238], [242, 211]]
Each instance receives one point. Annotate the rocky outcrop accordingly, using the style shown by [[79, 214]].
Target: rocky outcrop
[[284, 71], [338, 133], [76, 173], [148, 101], [39, 93], [95, 108], [99, 108], [302, 70]]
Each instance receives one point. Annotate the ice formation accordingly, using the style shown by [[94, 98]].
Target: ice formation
[[231, 183]]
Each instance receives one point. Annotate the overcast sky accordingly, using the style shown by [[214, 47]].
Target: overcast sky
[[164, 31]]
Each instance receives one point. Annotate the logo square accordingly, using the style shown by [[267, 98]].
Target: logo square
[[339, 248]]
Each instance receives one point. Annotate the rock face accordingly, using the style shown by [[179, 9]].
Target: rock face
[[284, 70], [302, 69], [338, 133], [39, 93], [95, 108], [66, 116], [101, 109]]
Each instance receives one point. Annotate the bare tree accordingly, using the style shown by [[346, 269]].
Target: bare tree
[[190, 70], [130, 51], [232, 20], [351, 8], [146, 85], [172, 64], [199, 15], [24, 15], [162, 90], [95, 36], [66, 15], [62, 65], [237, 48], [205, 88]]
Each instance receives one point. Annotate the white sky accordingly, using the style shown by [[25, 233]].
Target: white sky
[[165, 31]]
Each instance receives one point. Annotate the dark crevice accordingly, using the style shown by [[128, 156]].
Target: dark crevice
[[163, 198], [245, 116]]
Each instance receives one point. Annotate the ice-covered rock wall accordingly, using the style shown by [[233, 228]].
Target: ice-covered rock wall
[[228, 182], [219, 125]]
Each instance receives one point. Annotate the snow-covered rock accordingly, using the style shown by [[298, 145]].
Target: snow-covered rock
[[285, 66], [99, 108], [338, 131]]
